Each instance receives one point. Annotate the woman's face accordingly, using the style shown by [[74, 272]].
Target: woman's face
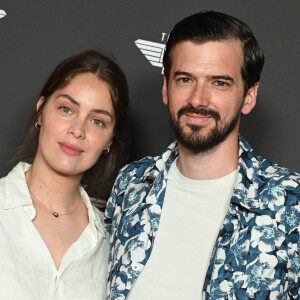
[[77, 124]]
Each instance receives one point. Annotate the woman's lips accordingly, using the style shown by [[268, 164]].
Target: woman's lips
[[70, 149]]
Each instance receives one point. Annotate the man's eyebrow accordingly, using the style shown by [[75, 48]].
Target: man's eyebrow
[[224, 77], [184, 73], [181, 73], [99, 111]]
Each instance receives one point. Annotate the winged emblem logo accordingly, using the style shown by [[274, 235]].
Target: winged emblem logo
[[2, 13], [154, 52]]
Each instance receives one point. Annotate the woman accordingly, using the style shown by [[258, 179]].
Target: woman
[[53, 243]]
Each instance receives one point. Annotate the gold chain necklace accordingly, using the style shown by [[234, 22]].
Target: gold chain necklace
[[54, 213]]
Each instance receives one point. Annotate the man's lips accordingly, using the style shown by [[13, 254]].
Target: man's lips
[[70, 149], [201, 113], [197, 119], [193, 115]]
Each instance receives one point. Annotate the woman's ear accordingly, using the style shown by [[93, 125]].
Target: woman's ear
[[38, 105]]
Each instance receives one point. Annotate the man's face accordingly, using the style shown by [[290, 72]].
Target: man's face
[[205, 93]]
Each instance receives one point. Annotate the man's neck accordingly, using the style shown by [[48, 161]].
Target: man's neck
[[211, 164]]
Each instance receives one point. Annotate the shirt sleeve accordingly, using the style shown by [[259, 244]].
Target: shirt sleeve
[[111, 204]]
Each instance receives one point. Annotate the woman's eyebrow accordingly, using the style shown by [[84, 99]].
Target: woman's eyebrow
[[103, 112], [99, 111], [69, 98]]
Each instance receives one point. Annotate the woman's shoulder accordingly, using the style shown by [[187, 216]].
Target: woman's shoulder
[[2, 191], [100, 204], [8, 181], [98, 207], [99, 216]]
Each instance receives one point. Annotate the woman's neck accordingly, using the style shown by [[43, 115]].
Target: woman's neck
[[59, 192]]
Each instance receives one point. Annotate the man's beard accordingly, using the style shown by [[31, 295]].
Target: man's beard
[[195, 140]]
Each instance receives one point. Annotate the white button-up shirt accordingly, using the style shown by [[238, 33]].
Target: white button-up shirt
[[27, 270]]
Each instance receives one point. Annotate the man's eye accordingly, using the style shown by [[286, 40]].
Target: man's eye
[[221, 83], [184, 81], [97, 122], [65, 109]]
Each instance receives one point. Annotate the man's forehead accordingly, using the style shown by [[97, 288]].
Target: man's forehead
[[233, 44], [218, 54]]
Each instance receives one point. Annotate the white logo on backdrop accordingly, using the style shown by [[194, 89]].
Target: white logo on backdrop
[[153, 51], [2, 13]]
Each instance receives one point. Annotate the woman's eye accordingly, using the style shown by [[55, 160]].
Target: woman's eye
[[65, 110], [97, 122]]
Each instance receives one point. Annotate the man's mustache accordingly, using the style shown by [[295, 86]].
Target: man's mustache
[[199, 111]]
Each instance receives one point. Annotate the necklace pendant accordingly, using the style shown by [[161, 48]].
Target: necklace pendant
[[55, 214]]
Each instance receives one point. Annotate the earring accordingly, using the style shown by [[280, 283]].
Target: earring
[[37, 125], [106, 151]]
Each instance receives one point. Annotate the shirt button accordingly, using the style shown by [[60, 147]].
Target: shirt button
[[30, 211], [135, 267]]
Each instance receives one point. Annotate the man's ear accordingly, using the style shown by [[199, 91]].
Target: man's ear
[[38, 105], [250, 99], [165, 91]]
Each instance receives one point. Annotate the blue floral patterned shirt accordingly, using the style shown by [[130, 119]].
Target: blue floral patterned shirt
[[256, 255]]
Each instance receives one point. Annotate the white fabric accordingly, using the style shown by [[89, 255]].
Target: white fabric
[[192, 214], [27, 270]]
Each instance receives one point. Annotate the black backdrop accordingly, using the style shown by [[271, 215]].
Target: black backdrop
[[36, 34]]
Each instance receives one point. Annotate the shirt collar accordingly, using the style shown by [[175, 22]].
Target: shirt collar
[[161, 163], [16, 189], [17, 194], [246, 188], [248, 181], [93, 218]]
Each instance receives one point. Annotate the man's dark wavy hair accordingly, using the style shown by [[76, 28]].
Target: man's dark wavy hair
[[209, 26]]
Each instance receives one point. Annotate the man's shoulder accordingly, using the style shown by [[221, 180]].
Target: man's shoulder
[[273, 170], [262, 170], [141, 167], [276, 185]]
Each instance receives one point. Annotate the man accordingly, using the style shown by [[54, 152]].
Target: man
[[208, 218]]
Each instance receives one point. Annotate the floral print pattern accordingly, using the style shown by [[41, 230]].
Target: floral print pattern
[[256, 255]]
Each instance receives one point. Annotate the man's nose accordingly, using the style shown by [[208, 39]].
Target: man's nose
[[199, 96]]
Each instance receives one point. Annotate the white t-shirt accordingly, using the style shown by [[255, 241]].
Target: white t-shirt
[[27, 270], [192, 215]]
